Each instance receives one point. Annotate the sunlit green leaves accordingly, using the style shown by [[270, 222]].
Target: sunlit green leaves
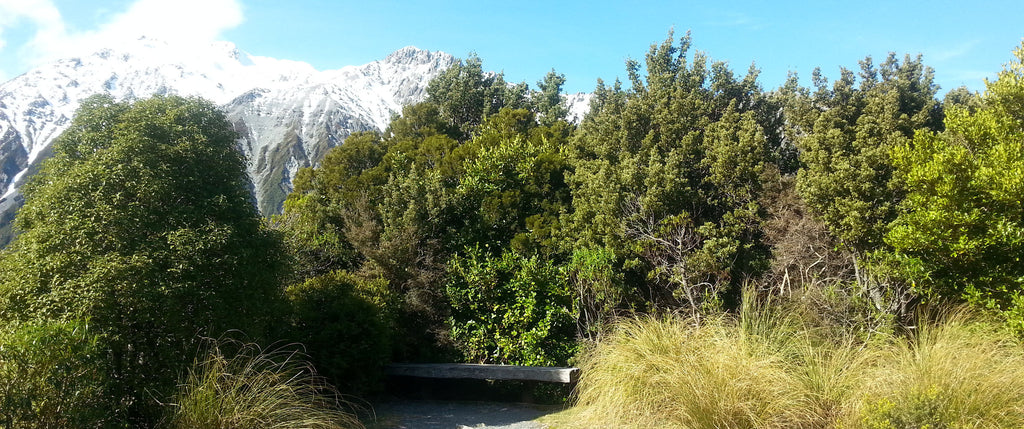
[[961, 232], [847, 174], [142, 222], [510, 309]]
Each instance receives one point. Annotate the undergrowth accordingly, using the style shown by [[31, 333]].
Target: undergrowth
[[240, 385], [767, 368]]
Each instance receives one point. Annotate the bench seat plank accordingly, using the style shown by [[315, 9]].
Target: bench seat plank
[[484, 372]]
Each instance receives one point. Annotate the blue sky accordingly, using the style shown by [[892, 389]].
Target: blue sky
[[963, 41]]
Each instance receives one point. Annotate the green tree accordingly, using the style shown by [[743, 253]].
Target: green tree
[[847, 174], [962, 97], [668, 175], [464, 95], [142, 222], [313, 221], [472, 166], [961, 232], [513, 187], [548, 101]]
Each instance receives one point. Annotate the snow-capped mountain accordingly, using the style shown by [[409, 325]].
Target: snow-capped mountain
[[287, 113], [578, 105]]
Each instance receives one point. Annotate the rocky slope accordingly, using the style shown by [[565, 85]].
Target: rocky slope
[[287, 113]]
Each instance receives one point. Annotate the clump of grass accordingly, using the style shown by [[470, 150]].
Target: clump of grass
[[676, 372], [254, 388], [953, 370], [766, 369], [825, 376], [821, 364], [762, 368]]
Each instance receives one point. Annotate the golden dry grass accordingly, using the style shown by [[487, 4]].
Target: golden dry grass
[[765, 369], [257, 389]]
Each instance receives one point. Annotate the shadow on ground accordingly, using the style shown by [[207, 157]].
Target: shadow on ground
[[428, 414]]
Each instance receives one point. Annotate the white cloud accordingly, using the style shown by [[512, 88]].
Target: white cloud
[[42, 14], [947, 53], [182, 22], [39, 14]]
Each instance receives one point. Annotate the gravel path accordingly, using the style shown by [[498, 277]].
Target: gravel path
[[459, 415]]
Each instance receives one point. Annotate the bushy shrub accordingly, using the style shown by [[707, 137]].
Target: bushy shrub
[[345, 322], [51, 376], [510, 309], [961, 230], [600, 290], [142, 223], [241, 386]]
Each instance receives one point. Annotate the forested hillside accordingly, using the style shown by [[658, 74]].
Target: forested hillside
[[813, 239]]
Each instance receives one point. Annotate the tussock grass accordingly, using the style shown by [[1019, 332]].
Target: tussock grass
[[252, 388], [678, 372], [953, 370], [767, 369]]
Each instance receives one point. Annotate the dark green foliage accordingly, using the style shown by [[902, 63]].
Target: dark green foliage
[[468, 167], [962, 97], [313, 220], [464, 95], [510, 309], [142, 223], [52, 375], [669, 173], [600, 291], [548, 102], [797, 115], [847, 178], [513, 189], [346, 324]]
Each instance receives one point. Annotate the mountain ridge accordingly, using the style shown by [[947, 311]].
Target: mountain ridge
[[287, 113], [279, 106]]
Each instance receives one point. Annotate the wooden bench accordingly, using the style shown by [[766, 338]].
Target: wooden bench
[[484, 372]]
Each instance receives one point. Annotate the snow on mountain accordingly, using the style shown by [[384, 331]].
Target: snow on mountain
[[579, 106], [285, 128], [287, 113]]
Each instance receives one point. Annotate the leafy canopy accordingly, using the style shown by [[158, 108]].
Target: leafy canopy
[[961, 234], [850, 130], [668, 175], [142, 222]]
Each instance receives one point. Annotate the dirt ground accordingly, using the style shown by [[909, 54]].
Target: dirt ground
[[427, 414]]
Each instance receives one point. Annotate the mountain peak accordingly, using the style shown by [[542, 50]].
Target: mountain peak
[[287, 113], [406, 52], [412, 54]]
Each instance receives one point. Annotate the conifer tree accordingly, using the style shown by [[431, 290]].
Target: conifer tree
[[847, 174], [668, 176]]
